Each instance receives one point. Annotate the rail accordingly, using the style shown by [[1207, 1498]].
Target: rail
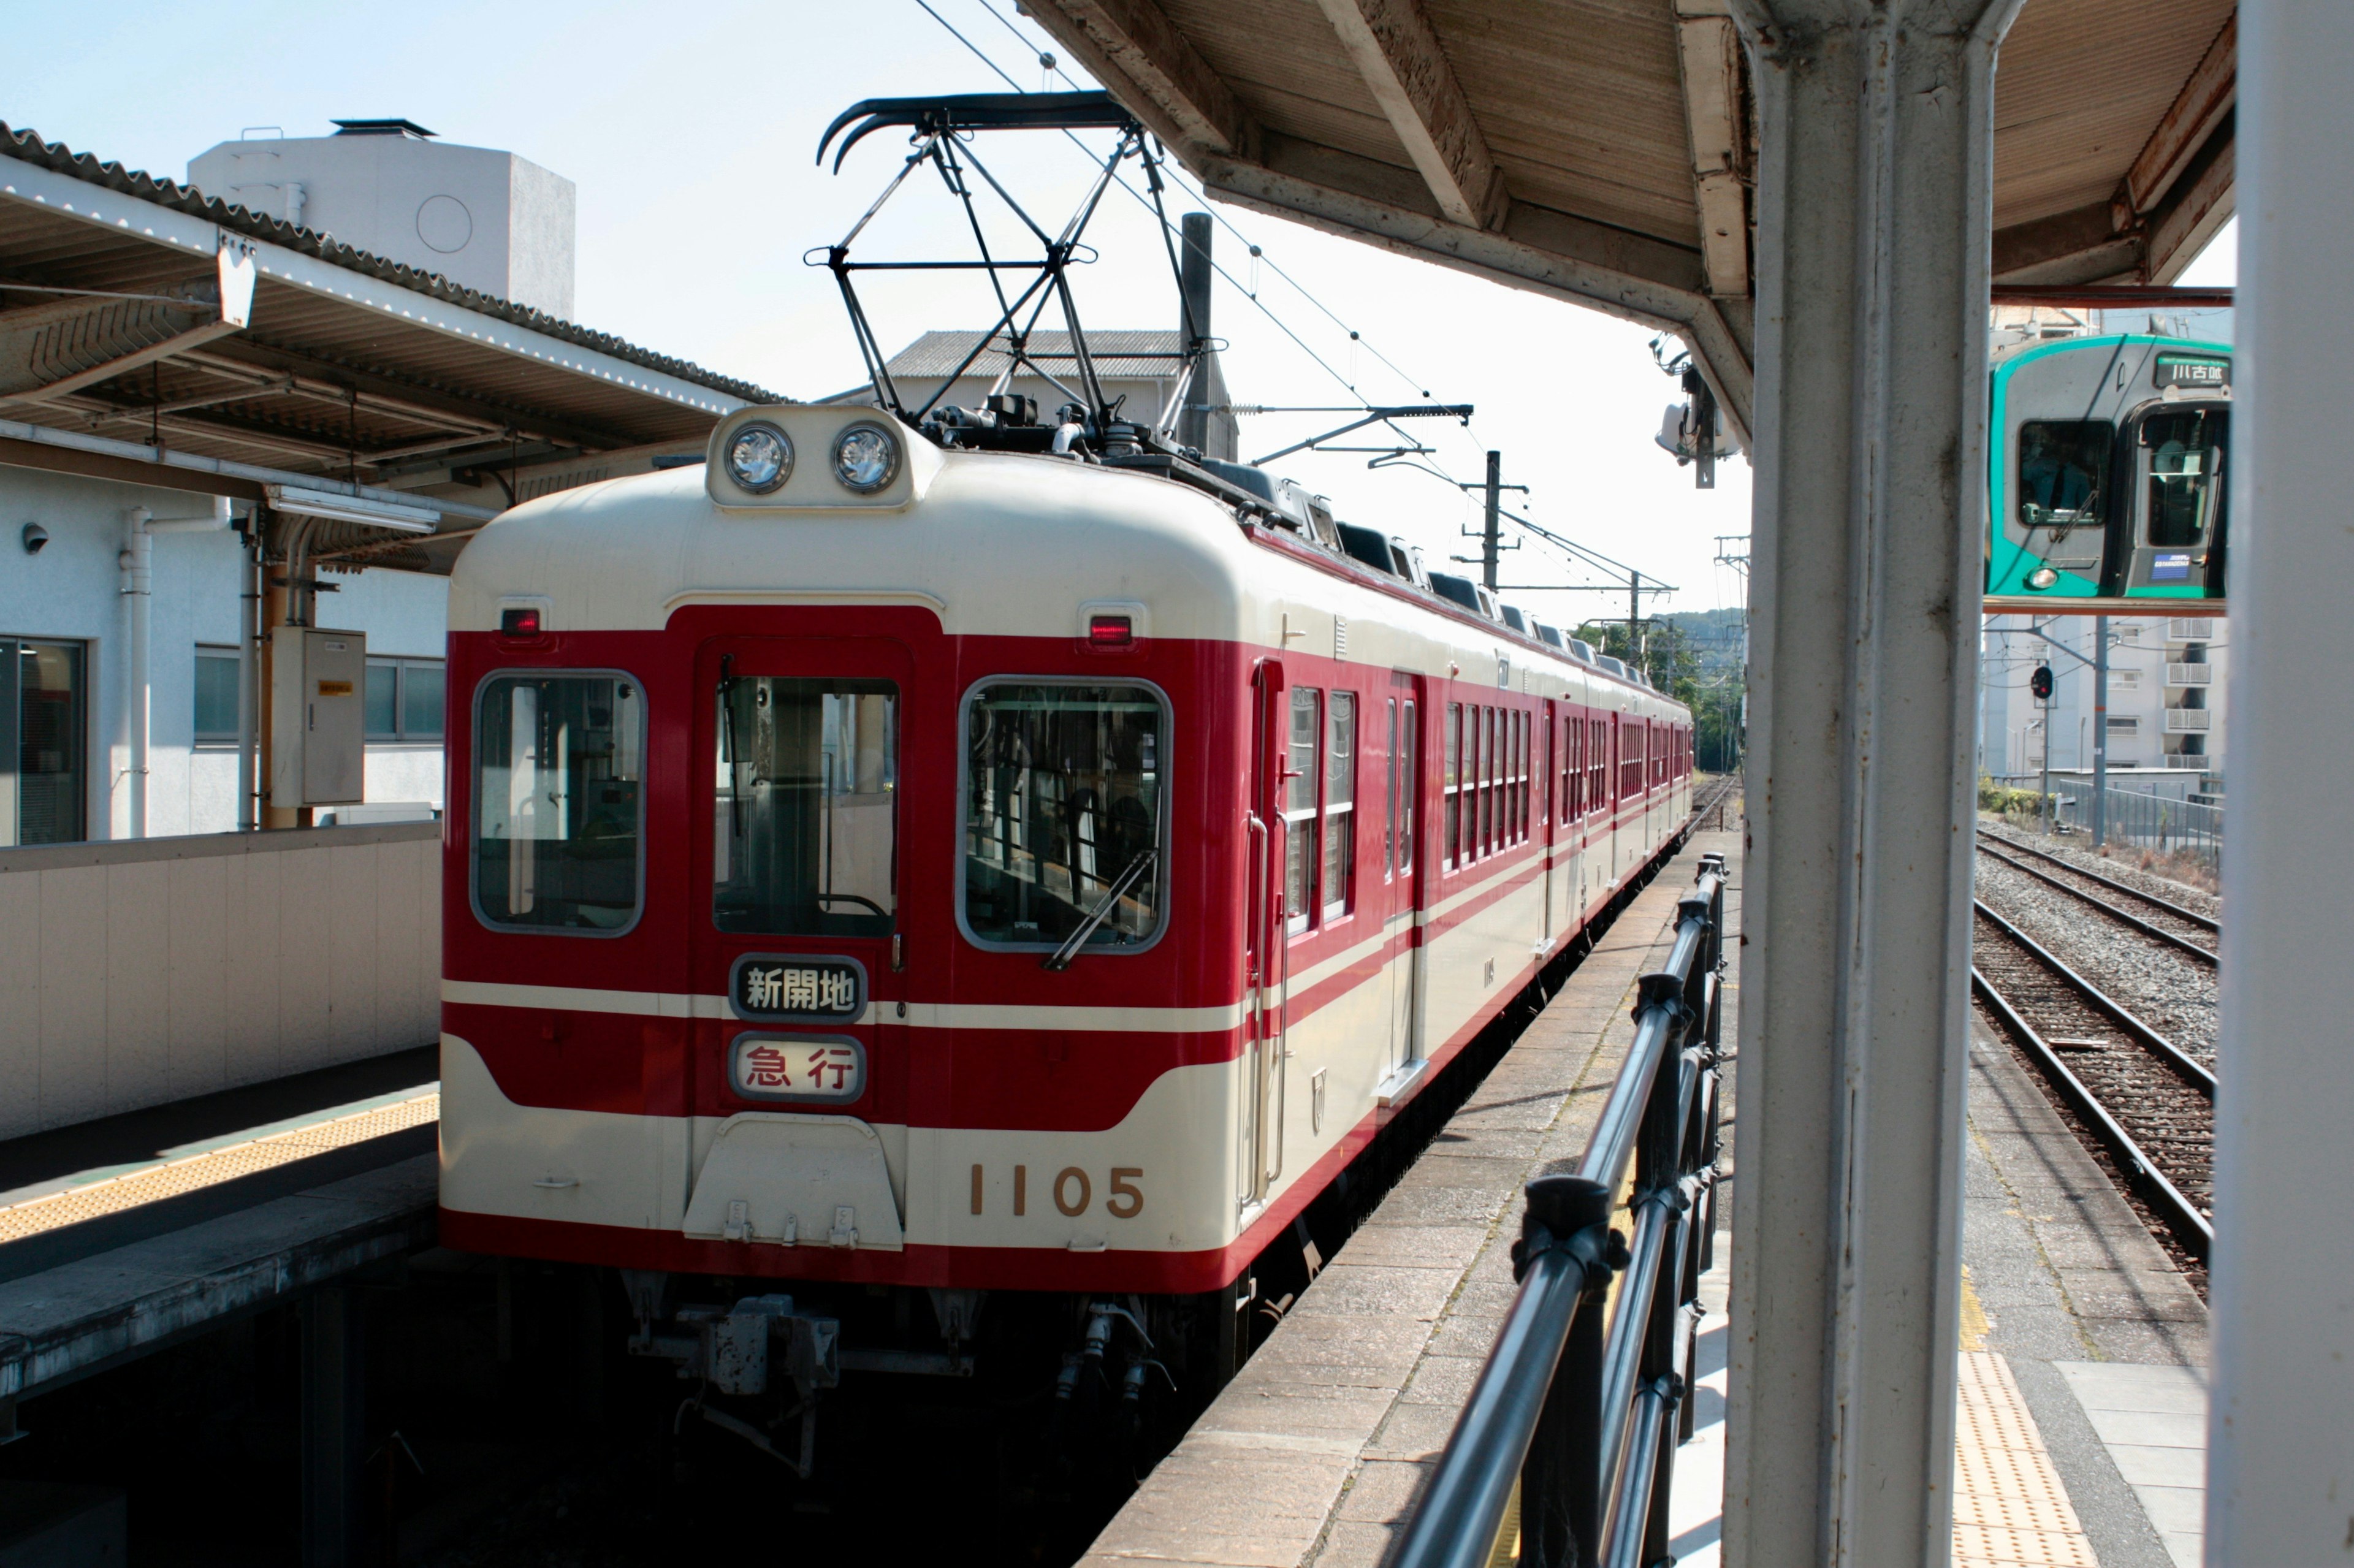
[[1570, 1432]]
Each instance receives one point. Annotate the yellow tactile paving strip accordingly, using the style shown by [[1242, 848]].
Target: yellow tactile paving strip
[[2009, 1508], [211, 1168]]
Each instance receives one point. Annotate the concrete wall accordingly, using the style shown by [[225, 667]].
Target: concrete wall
[[73, 590], [135, 974]]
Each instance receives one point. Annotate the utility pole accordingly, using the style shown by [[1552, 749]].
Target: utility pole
[[1490, 538]]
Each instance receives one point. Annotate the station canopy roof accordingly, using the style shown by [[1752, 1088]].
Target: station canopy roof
[[129, 348], [1605, 149]]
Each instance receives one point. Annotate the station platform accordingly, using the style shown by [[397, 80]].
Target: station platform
[[2079, 1422], [1316, 1452], [121, 1236]]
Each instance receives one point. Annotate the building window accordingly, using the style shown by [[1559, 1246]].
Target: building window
[[1300, 856], [2128, 725], [1340, 802], [2128, 679], [43, 785], [405, 699], [216, 716]]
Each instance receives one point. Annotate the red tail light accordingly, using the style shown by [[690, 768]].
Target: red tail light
[[519, 623], [1110, 632]]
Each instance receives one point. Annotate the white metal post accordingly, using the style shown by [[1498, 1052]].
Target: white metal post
[[1872, 249], [2280, 1480]]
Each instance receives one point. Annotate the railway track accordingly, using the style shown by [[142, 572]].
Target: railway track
[[1723, 792], [2150, 1107], [2185, 930]]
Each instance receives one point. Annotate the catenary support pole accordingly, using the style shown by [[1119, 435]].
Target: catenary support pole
[[2280, 1466], [1194, 274], [1872, 253], [1490, 534], [2100, 730]]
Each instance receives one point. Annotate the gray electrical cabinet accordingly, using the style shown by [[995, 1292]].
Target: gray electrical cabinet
[[318, 717]]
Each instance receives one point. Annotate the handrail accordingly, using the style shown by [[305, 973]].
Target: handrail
[[1583, 1423]]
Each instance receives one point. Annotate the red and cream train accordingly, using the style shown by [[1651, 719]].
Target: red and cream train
[[968, 870]]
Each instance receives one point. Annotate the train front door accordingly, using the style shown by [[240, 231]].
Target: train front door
[[794, 902], [1401, 879]]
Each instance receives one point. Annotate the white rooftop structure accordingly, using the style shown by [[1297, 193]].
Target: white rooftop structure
[[484, 220]]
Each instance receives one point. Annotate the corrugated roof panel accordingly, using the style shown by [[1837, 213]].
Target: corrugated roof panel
[[29, 147]]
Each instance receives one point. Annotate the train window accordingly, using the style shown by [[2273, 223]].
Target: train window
[[805, 834], [2063, 466], [558, 801], [1484, 829], [2186, 460], [1390, 821], [1454, 781], [1410, 788], [1520, 777], [1063, 801], [1598, 764], [1303, 774], [1340, 802]]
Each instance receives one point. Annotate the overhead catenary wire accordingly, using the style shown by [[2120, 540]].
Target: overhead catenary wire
[[1356, 338]]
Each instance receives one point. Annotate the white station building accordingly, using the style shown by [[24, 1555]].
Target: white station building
[[276, 397]]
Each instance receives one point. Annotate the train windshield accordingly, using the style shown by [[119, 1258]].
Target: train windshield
[[2063, 466], [2184, 452], [805, 836], [558, 765], [1062, 789]]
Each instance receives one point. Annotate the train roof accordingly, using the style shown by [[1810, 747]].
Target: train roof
[[991, 542]]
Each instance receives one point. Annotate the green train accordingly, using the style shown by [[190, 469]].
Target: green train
[[2106, 470]]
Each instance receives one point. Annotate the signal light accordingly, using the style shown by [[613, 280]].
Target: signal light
[[2040, 683], [519, 623], [1110, 631]]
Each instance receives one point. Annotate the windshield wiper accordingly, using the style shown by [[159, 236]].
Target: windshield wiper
[[1062, 956]]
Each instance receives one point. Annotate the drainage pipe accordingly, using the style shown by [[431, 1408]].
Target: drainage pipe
[[137, 563]]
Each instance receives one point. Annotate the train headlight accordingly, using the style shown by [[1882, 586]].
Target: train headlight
[[865, 458], [2042, 577], [760, 458]]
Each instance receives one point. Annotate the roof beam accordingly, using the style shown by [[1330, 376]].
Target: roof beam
[[2082, 245], [1708, 59], [1136, 51], [2200, 201], [2186, 127], [1392, 46]]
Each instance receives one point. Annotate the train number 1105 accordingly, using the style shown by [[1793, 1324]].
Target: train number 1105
[[1074, 1191]]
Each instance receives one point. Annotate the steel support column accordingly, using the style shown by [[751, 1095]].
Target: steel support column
[[2280, 1471], [1872, 260]]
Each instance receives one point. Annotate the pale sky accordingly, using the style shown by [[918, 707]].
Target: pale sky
[[690, 131]]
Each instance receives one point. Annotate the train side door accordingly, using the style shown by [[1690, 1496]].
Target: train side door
[[1266, 947], [796, 903], [1401, 873], [1544, 772]]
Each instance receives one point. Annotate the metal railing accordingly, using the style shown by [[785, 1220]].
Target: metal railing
[[1568, 1440], [2150, 821]]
